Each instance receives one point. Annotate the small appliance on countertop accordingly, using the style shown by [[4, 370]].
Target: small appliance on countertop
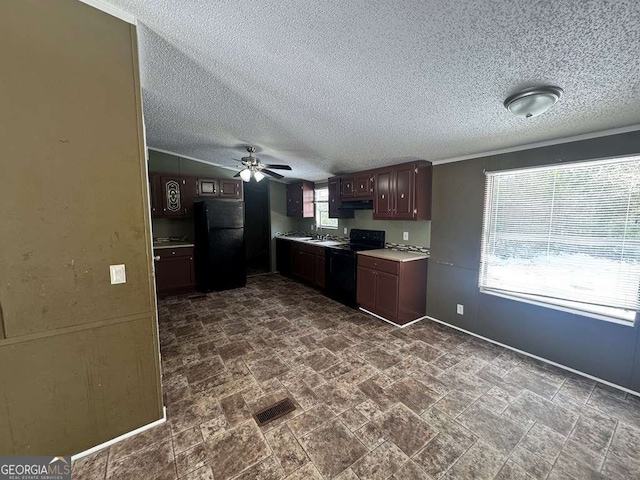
[[342, 264]]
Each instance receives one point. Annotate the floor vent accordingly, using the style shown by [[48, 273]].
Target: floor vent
[[273, 412]]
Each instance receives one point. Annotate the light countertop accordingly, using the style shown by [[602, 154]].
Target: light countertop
[[312, 241], [172, 245], [395, 255]]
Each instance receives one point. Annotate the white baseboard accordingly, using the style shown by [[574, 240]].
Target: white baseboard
[[122, 437], [389, 321], [564, 367]]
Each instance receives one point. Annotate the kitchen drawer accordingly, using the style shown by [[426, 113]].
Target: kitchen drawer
[[388, 266], [305, 247], [173, 252]]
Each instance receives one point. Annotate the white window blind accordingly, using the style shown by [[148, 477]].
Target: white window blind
[[565, 233]]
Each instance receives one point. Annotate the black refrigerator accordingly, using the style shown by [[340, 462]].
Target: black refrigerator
[[220, 262]]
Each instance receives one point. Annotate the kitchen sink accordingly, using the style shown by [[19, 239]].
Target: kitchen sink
[[328, 243], [298, 238]]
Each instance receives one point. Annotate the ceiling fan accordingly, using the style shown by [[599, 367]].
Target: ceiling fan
[[254, 167]]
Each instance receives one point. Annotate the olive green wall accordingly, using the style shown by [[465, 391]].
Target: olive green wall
[[168, 163], [79, 361], [603, 349]]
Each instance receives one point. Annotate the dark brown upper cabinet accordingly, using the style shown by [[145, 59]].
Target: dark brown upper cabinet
[[346, 187], [335, 200], [173, 199], [189, 194], [300, 196], [230, 188], [363, 186], [154, 195], [383, 201], [208, 187], [172, 196], [403, 192]]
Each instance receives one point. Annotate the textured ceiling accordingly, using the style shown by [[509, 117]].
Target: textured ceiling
[[334, 86]]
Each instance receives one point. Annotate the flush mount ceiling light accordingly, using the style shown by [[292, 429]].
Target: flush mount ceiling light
[[533, 102]]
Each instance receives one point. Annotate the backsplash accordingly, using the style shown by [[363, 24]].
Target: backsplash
[[407, 248], [172, 227], [419, 231]]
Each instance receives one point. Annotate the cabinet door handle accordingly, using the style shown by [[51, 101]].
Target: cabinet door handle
[[156, 258], [173, 253]]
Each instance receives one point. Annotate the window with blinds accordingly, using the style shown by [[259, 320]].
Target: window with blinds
[[566, 236]]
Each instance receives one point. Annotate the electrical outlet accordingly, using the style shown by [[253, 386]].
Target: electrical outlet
[[405, 235], [345, 230], [117, 274], [312, 227], [460, 309]]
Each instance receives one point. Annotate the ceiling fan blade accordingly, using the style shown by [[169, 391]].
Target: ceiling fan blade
[[277, 167], [272, 174]]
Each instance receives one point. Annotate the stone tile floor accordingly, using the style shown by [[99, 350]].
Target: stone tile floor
[[373, 401]]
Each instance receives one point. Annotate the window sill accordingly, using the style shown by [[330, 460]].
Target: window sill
[[321, 227], [625, 318]]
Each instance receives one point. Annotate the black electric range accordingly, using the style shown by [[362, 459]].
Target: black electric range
[[342, 264]]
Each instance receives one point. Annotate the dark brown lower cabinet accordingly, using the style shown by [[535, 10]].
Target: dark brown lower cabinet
[[366, 288], [394, 290], [174, 270], [387, 293], [319, 269], [307, 263]]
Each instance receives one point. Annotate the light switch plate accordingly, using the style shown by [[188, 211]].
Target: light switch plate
[[345, 230], [460, 309], [405, 235], [118, 274]]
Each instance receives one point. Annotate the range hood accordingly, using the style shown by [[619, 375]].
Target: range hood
[[356, 205]]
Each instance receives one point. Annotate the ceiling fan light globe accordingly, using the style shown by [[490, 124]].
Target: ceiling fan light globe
[[245, 175], [258, 175]]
